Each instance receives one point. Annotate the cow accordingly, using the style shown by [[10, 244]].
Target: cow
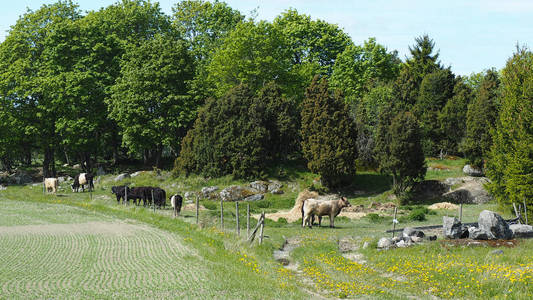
[[176, 201], [136, 194], [51, 184], [313, 207], [160, 197], [81, 180], [120, 192]]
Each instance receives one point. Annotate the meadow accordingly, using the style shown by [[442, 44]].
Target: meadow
[[87, 246]]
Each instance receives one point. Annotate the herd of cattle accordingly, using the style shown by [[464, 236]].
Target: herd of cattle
[[149, 195], [157, 196]]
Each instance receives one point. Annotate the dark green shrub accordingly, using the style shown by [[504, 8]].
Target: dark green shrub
[[210, 205], [417, 214]]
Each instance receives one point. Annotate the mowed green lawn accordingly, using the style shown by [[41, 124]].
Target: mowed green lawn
[[60, 251]]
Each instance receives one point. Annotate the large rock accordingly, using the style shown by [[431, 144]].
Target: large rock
[[385, 243], [429, 189], [122, 176], [260, 186], [477, 234], [255, 197], [411, 232], [494, 225], [209, 192], [472, 171], [471, 191], [521, 230], [274, 187], [235, 193], [453, 229]]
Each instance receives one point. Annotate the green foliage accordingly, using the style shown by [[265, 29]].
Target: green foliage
[[313, 44], [417, 215], [149, 100], [510, 164], [452, 117], [376, 218], [328, 134], [240, 134], [252, 54], [435, 90], [359, 68], [480, 119], [422, 62], [398, 150]]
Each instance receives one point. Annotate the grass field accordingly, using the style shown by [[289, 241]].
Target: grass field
[[74, 246]]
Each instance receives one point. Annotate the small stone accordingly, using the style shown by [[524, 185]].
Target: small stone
[[401, 244], [497, 252], [417, 239], [472, 171], [255, 197], [410, 232], [385, 243], [477, 234]]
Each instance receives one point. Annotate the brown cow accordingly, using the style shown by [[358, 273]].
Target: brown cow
[[313, 207]]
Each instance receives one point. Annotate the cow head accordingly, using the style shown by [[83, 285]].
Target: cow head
[[345, 202]]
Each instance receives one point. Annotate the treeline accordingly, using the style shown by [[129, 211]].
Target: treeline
[[222, 94]]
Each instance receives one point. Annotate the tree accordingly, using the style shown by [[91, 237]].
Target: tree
[[480, 119], [359, 68], [399, 152], [435, 90], [313, 44], [204, 24], [510, 163], [452, 117], [228, 137], [149, 100], [422, 62], [28, 78], [328, 134], [253, 54], [367, 114]]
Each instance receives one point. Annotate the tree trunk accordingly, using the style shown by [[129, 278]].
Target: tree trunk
[[49, 168]]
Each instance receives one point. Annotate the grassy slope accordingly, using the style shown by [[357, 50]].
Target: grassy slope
[[419, 272]]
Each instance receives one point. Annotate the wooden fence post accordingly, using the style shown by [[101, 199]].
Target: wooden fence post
[[525, 212], [221, 213], [153, 202], [517, 213], [248, 219], [237, 216], [262, 226], [197, 209], [394, 221]]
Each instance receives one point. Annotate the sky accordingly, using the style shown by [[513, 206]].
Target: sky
[[471, 35]]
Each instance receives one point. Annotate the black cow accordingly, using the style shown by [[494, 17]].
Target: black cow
[[81, 180], [120, 192], [136, 194]]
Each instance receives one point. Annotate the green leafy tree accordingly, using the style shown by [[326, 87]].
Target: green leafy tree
[[435, 90], [399, 151], [452, 117], [149, 100], [314, 44], [480, 119], [359, 68], [328, 134], [253, 54], [510, 163], [368, 112], [28, 78]]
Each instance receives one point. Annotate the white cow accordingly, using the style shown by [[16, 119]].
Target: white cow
[[51, 184]]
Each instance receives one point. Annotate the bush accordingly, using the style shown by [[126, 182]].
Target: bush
[[210, 205], [375, 218], [418, 214]]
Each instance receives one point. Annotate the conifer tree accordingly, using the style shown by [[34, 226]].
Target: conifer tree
[[480, 119], [510, 163], [328, 134]]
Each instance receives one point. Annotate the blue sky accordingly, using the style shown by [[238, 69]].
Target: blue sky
[[471, 35]]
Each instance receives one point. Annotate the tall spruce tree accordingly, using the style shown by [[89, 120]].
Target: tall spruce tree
[[510, 163], [328, 134], [480, 119], [399, 151]]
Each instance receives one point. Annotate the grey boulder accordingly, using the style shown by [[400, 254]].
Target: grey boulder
[[521, 230], [453, 229], [494, 225]]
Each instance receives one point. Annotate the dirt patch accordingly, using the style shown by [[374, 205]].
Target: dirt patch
[[443, 205]]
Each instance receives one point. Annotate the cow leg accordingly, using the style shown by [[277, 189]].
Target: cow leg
[[331, 218], [319, 221]]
